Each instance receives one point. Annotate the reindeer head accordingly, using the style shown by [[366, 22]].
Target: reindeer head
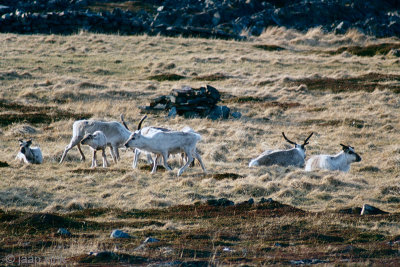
[[351, 154], [87, 138], [24, 146], [302, 147]]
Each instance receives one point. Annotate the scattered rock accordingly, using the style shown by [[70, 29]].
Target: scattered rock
[[63, 232], [216, 19], [236, 115], [371, 210], [190, 103], [219, 112], [222, 202], [119, 234], [247, 202], [263, 200]]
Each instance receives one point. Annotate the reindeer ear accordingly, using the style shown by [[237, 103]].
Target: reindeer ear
[[29, 142]]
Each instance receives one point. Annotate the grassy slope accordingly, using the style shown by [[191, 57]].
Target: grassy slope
[[106, 75]]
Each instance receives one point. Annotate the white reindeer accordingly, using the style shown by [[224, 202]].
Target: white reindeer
[[340, 161], [294, 156], [96, 141], [28, 154], [114, 131], [147, 131], [165, 143]]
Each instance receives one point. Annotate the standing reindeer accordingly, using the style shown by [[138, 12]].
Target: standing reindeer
[[340, 161], [96, 141], [294, 156]]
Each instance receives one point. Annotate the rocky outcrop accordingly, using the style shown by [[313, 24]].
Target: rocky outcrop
[[221, 19], [191, 103]]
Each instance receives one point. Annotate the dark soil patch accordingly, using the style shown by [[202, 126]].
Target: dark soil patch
[[166, 77], [107, 257], [11, 112], [368, 83], [367, 51], [269, 47], [231, 176], [211, 77], [43, 221]]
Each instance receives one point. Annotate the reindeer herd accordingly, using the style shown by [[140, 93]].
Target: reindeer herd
[[159, 143]]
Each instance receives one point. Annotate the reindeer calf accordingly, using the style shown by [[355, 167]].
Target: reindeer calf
[[28, 154], [96, 141]]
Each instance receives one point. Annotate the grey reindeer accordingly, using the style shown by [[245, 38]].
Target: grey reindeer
[[28, 154], [289, 157]]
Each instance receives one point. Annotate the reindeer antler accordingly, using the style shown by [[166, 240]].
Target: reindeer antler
[[306, 141], [140, 123], [291, 142], [344, 146]]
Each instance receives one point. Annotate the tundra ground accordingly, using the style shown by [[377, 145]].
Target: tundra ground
[[282, 81]]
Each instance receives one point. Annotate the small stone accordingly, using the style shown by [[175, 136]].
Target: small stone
[[172, 113], [224, 202], [63, 232], [236, 115], [263, 200], [119, 234], [371, 210], [151, 240]]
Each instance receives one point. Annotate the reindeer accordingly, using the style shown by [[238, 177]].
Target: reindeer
[[294, 156], [28, 154], [340, 161]]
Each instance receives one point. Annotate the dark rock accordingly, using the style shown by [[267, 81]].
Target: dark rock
[[172, 112], [236, 115], [63, 232], [222, 202], [263, 200], [371, 210], [342, 27], [247, 202], [219, 112]]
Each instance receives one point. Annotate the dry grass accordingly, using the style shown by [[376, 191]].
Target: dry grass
[[103, 76]]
